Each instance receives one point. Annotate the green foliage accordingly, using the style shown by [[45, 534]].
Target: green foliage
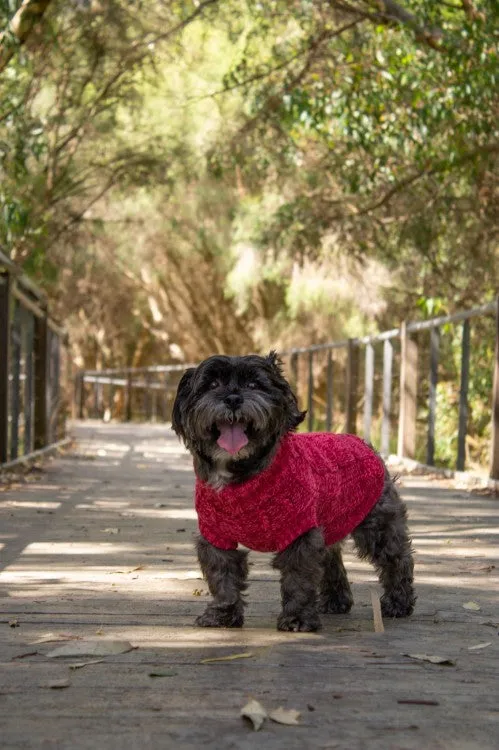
[[247, 174]]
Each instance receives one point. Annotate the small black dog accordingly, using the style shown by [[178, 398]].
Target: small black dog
[[260, 485]]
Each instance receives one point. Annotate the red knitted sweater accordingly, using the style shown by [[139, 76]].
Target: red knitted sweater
[[316, 479]]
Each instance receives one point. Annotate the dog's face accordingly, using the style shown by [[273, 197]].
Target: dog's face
[[230, 410]]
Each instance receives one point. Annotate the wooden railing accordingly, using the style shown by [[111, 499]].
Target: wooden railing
[[396, 408], [32, 354]]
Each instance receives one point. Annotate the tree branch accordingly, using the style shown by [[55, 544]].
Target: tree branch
[[439, 167], [20, 27], [470, 10], [389, 12]]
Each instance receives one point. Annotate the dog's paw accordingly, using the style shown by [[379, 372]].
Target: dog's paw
[[337, 605], [299, 623], [391, 607], [220, 618]]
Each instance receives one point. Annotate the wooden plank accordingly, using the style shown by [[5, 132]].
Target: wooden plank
[[351, 384], [66, 577], [494, 459], [377, 616], [406, 444], [310, 399], [329, 397], [432, 398], [463, 397], [4, 365], [368, 391], [387, 396]]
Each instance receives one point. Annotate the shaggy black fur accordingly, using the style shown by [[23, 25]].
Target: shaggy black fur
[[252, 392], [301, 568], [248, 390], [383, 539], [226, 572]]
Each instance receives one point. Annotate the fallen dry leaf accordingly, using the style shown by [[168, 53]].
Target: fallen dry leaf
[[125, 572], [378, 618], [81, 664], [285, 716], [231, 657], [478, 646], [255, 712], [197, 592], [476, 568], [57, 684], [51, 637], [23, 656], [474, 606], [14, 623], [91, 648], [444, 660], [112, 530]]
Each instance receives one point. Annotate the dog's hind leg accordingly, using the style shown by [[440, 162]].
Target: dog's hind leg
[[301, 567], [335, 593], [225, 572], [383, 538]]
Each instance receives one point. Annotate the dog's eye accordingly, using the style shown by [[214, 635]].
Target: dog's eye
[[214, 384]]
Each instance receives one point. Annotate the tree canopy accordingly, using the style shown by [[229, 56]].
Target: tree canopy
[[191, 177]]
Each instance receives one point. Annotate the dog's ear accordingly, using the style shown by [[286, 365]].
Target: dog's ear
[[183, 392], [274, 361], [294, 416]]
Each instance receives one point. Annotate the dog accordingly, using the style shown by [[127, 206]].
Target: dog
[[261, 484]]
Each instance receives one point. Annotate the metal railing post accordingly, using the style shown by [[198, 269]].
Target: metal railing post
[[351, 382], [329, 400], [463, 397], [494, 451], [406, 445], [41, 374], [4, 365], [387, 397], [432, 400], [128, 397], [368, 391], [310, 397]]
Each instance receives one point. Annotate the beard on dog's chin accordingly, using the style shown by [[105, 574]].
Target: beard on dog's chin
[[233, 411]]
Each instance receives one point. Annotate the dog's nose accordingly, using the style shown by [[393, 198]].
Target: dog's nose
[[233, 400]]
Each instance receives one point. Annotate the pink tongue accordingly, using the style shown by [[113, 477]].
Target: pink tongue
[[232, 437]]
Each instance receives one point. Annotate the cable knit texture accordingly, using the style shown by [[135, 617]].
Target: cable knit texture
[[316, 479]]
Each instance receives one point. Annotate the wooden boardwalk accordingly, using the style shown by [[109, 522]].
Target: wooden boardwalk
[[98, 548]]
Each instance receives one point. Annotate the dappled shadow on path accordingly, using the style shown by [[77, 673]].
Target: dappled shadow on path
[[101, 548]]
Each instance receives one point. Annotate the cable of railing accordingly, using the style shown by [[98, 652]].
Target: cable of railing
[[136, 370], [140, 386], [455, 318]]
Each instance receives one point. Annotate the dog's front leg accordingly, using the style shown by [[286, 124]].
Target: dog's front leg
[[301, 567], [225, 572]]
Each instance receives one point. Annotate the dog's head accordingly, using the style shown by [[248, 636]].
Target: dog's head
[[233, 408]]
